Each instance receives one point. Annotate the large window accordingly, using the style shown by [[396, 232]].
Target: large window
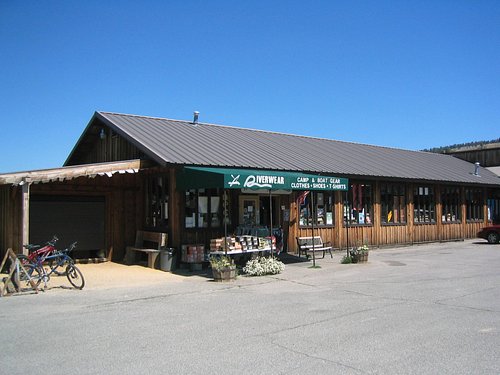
[[393, 203], [474, 204], [450, 203], [156, 198], [323, 207], [204, 208], [424, 205], [358, 207], [494, 206]]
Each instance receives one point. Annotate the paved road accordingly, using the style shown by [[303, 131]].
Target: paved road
[[429, 309]]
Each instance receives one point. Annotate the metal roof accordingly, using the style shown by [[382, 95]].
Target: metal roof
[[184, 143]]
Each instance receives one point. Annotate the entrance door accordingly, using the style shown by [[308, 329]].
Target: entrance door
[[249, 210], [265, 218]]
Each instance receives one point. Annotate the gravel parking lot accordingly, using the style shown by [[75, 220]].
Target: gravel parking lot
[[427, 309]]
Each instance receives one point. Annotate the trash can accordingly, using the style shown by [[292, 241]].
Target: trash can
[[166, 257]]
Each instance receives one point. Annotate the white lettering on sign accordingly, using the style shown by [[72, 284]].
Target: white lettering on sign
[[263, 181], [300, 185], [338, 186]]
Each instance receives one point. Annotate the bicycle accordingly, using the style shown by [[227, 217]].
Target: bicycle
[[58, 258], [36, 252]]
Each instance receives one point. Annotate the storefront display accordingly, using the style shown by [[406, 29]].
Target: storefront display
[[241, 244], [193, 253]]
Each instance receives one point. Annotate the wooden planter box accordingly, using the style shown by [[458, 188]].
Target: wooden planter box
[[225, 274], [359, 257], [363, 257]]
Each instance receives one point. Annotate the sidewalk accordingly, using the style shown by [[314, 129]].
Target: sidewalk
[[109, 275]]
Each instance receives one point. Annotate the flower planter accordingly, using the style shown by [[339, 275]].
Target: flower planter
[[224, 274], [359, 256], [363, 257]]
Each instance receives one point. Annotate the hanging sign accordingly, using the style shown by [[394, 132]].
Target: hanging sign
[[256, 179], [289, 181]]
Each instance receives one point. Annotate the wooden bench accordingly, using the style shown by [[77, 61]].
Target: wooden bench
[[305, 245], [150, 243]]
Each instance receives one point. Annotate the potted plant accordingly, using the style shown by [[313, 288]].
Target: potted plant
[[223, 268], [359, 254]]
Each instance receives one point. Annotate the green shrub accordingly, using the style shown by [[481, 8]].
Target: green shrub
[[346, 259]]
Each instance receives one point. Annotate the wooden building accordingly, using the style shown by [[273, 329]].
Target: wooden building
[[128, 173], [487, 155]]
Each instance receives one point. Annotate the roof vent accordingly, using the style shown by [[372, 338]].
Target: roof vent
[[476, 168], [195, 118]]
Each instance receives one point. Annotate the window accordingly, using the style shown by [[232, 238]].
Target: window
[[494, 206], [204, 208], [474, 204], [393, 202], [450, 203], [156, 198], [323, 207], [424, 205], [358, 206]]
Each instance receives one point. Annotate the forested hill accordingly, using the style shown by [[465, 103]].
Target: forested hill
[[458, 146]]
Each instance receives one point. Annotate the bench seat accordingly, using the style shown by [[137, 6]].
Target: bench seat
[[150, 243], [310, 244]]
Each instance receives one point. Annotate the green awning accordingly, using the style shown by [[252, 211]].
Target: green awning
[[238, 178]]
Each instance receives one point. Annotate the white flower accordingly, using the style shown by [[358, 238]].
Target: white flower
[[263, 266]]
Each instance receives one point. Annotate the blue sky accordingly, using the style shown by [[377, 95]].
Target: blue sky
[[405, 74]]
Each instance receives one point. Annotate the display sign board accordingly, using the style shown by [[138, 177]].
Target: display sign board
[[278, 181], [196, 177]]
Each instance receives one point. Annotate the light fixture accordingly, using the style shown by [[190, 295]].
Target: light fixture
[[102, 134]]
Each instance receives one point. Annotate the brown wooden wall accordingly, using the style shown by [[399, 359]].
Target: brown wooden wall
[[487, 157], [10, 220], [124, 197], [93, 149], [379, 234], [123, 216]]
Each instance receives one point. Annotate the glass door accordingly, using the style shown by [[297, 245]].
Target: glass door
[[249, 210]]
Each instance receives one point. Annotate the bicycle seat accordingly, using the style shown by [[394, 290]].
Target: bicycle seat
[[31, 247]]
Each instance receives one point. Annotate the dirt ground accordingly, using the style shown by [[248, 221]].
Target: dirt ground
[[109, 275]]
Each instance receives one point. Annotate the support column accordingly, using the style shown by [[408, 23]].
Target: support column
[[174, 212], [25, 215], [439, 214]]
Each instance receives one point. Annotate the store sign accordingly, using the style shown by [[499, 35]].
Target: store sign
[[288, 181]]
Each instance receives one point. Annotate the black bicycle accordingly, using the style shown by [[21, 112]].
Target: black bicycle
[[60, 258]]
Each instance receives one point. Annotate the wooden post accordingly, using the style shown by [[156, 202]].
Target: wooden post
[[312, 226], [410, 215], [440, 236], [25, 215], [377, 215], [174, 212]]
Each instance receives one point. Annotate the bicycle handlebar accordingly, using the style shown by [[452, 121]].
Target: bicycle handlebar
[[53, 241], [69, 248]]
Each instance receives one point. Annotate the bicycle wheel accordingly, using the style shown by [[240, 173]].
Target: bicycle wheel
[[23, 259], [75, 276]]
